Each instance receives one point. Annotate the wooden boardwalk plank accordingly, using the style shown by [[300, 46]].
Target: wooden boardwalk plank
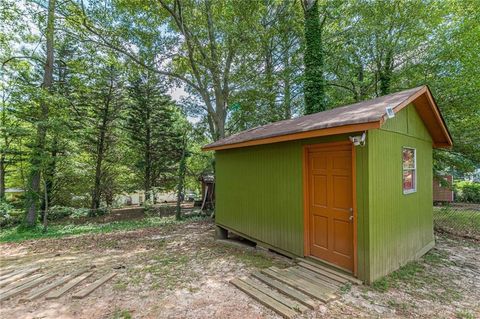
[[59, 292], [321, 287], [27, 286], [287, 290], [310, 275], [12, 273], [90, 288], [42, 291], [4, 272], [301, 286], [19, 283], [264, 299], [18, 276], [330, 270], [293, 304], [322, 272]]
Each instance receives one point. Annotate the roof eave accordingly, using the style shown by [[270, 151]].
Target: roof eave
[[299, 135]]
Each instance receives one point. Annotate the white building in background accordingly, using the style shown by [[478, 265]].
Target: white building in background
[[138, 198]]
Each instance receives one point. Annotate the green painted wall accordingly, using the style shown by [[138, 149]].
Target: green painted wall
[[259, 194], [400, 225]]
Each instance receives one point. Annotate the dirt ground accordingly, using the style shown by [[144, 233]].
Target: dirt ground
[[179, 271]]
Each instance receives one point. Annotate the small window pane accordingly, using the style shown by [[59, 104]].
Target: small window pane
[[409, 170], [408, 158], [409, 181]]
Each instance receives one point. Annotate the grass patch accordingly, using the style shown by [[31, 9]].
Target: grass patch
[[17, 234], [406, 274], [122, 314], [415, 276], [254, 259], [464, 314], [346, 288]]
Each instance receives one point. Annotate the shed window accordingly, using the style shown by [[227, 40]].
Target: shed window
[[409, 170]]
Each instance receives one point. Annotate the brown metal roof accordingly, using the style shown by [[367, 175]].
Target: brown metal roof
[[351, 118]]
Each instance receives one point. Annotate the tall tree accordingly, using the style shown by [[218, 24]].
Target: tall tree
[[154, 131], [37, 156], [314, 79]]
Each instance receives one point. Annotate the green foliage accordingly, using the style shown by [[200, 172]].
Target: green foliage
[[9, 216], [60, 212], [468, 192]]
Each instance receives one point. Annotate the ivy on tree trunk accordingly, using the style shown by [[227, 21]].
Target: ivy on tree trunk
[[314, 82]]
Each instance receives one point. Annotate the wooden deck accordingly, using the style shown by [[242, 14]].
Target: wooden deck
[[294, 290], [31, 283]]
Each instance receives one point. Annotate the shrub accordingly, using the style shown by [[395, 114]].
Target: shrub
[[59, 212], [9, 216], [468, 192]]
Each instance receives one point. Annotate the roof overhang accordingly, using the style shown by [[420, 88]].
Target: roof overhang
[[298, 136], [423, 101]]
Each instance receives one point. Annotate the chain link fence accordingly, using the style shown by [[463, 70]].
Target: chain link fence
[[461, 219]]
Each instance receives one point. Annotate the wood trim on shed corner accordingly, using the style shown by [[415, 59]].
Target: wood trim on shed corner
[[306, 215], [301, 135], [354, 206]]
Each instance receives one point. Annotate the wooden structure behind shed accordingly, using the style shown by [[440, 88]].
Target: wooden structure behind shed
[[443, 192], [208, 190]]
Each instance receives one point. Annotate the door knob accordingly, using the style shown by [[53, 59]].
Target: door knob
[[351, 218]]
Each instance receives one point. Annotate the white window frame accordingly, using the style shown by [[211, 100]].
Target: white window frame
[[414, 169]]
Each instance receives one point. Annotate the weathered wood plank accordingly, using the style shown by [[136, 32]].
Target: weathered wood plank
[[320, 287], [322, 272], [305, 288], [12, 273], [90, 288], [322, 268], [18, 276], [59, 292], [27, 286], [42, 291], [264, 299], [310, 275], [4, 272], [19, 283], [287, 290], [293, 304]]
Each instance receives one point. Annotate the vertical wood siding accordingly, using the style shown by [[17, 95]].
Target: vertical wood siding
[[400, 225], [260, 192]]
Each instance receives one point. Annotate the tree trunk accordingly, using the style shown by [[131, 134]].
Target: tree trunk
[[49, 175], [33, 194], [45, 210], [2, 177], [314, 83], [181, 180], [148, 158], [269, 85], [96, 194]]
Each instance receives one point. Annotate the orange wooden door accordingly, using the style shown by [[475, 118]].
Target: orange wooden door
[[330, 204]]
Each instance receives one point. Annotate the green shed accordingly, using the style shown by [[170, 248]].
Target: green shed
[[350, 187]]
